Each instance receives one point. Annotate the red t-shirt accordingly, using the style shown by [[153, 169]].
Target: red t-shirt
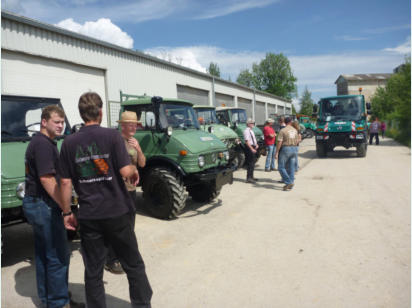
[[268, 130]]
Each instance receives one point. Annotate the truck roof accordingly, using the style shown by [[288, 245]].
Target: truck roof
[[203, 107], [343, 96], [146, 100], [227, 108]]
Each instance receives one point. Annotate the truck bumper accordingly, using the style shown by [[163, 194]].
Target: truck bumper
[[218, 176], [347, 139]]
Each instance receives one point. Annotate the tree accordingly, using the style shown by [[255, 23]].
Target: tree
[[306, 102], [273, 74], [393, 103], [214, 69]]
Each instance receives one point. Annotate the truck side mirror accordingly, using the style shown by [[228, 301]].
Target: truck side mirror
[[150, 119], [368, 106], [315, 110]]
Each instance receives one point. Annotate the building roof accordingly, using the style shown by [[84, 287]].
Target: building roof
[[364, 77]]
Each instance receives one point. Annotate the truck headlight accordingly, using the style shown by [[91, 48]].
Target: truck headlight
[[214, 157], [20, 190], [201, 161], [210, 129], [226, 154]]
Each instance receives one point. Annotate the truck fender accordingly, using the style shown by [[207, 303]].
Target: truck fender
[[165, 162]]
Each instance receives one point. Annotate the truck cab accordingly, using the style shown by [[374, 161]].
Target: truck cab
[[342, 121]]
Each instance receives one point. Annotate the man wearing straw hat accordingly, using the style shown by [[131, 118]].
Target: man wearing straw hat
[[128, 123]]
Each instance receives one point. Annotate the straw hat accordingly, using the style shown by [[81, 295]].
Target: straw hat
[[250, 121], [128, 117]]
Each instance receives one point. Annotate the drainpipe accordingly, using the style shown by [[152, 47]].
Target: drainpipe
[[213, 92], [253, 104]]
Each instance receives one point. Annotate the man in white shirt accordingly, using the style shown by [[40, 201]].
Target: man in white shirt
[[251, 148]]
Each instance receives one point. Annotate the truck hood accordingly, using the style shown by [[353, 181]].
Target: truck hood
[[221, 131], [198, 141]]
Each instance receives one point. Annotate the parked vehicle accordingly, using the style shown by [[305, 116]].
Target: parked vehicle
[[209, 122], [178, 154], [342, 121], [236, 118], [306, 122], [20, 120]]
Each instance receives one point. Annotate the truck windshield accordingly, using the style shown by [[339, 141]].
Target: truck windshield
[[207, 116], [342, 108], [20, 117], [239, 116], [178, 116]]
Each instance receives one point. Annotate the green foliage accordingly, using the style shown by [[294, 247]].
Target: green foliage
[[393, 103], [214, 69], [306, 102], [293, 109], [273, 74]]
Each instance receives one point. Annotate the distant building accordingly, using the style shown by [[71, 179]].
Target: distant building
[[351, 84]]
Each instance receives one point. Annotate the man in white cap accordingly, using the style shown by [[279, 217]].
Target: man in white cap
[[128, 123], [251, 148], [270, 138]]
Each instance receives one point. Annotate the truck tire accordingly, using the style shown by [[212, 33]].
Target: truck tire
[[203, 192], [241, 158], [361, 149], [321, 150], [164, 193], [309, 133]]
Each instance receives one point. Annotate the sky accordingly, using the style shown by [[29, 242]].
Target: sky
[[321, 38]]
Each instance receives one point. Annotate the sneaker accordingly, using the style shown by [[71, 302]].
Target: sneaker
[[267, 170], [274, 169], [288, 187], [250, 181], [255, 179], [115, 268]]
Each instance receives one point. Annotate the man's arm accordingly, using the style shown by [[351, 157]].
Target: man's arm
[[70, 221], [130, 172], [278, 146], [49, 184]]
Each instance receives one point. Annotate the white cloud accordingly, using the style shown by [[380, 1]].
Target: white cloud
[[387, 29], [351, 38], [102, 29], [404, 48]]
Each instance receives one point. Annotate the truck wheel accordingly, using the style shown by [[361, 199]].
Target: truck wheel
[[203, 192], [240, 156], [361, 150], [310, 133], [321, 150], [164, 193]]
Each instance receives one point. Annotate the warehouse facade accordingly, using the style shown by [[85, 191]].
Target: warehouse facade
[[42, 60]]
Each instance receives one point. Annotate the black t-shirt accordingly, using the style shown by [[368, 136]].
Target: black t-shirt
[[92, 158], [41, 159]]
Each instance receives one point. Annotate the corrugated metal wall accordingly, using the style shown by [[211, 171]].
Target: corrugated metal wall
[[246, 104], [223, 99], [260, 115], [196, 96]]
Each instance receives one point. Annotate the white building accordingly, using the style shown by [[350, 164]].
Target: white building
[[43, 60]]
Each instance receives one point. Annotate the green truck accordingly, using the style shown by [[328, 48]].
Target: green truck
[[310, 127], [20, 119], [342, 121], [236, 118], [179, 155], [208, 121]]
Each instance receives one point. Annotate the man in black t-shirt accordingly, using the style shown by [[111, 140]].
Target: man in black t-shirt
[[41, 208], [95, 161]]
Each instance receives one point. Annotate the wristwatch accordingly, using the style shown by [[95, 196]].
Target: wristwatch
[[67, 214]]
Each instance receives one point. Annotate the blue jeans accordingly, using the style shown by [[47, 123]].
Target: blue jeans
[[52, 253], [270, 158], [287, 163]]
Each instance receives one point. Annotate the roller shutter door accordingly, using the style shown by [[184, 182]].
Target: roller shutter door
[[288, 111], [27, 75], [281, 110], [245, 104], [228, 100], [193, 95], [260, 115], [271, 109]]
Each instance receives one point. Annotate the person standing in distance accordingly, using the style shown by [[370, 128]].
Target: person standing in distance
[[95, 160], [286, 153], [251, 148], [41, 208], [128, 123], [270, 138]]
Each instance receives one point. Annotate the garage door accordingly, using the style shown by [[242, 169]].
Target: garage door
[[27, 75], [245, 104], [271, 109], [260, 113], [225, 99], [194, 95]]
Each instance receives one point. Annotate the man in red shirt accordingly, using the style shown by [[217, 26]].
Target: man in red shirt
[[270, 138]]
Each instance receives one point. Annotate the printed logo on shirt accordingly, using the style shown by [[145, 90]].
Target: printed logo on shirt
[[91, 165]]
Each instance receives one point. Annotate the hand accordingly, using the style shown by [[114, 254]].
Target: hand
[[70, 222], [134, 178], [276, 156], [133, 142], [253, 151]]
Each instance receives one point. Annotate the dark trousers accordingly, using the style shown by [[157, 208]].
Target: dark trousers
[[376, 135], [96, 235], [250, 161], [111, 255]]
